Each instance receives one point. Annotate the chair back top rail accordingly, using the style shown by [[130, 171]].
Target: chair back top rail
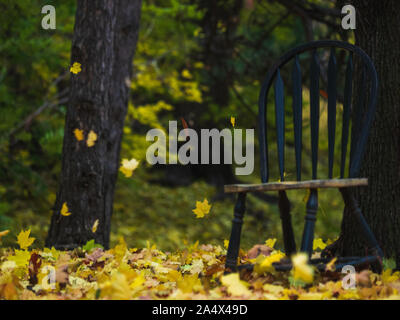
[[361, 124]]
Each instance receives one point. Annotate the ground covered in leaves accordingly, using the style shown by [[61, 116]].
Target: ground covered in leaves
[[196, 272]]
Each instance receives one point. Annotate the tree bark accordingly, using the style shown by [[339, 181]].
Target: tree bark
[[104, 43], [378, 33]]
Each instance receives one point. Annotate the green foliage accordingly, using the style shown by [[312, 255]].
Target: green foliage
[[389, 264], [30, 60], [90, 245]]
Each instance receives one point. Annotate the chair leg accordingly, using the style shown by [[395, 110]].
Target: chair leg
[[234, 242], [311, 217], [367, 233], [287, 229]]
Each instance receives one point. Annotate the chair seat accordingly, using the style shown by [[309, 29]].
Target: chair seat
[[286, 185]]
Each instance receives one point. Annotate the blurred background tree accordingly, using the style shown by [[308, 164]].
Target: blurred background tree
[[201, 61]]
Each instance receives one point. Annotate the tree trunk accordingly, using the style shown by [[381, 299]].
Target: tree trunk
[[104, 42], [377, 32]]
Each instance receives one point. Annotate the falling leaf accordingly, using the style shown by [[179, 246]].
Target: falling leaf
[[76, 68], [95, 225], [24, 240], [301, 269], [234, 285], [319, 244], [3, 233], [128, 166], [92, 137], [226, 244], [78, 134], [233, 121], [202, 208], [64, 210]]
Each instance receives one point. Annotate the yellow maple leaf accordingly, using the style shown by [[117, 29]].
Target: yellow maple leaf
[[330, 241], [4, 233], [234, 285], [117, 288], [138, 283], [78, 134], [23, 239], [95, 225], [349, 295], [319, 244], [202, 208], [64, 210], [311, 296], [301, 269], [92, 137], [233, 121], [20, 257], [76, 68], [52, 252], [189, 283], [264, 263], [388, 277], [270, 242], [120, 249], [274, 289], [128, 166]]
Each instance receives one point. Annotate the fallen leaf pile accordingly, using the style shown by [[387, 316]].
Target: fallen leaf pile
[[195, 272]]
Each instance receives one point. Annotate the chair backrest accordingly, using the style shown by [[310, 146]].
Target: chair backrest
[[361, 121]]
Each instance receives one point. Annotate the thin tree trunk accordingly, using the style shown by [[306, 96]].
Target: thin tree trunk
[[378, 33], [104, 42]]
